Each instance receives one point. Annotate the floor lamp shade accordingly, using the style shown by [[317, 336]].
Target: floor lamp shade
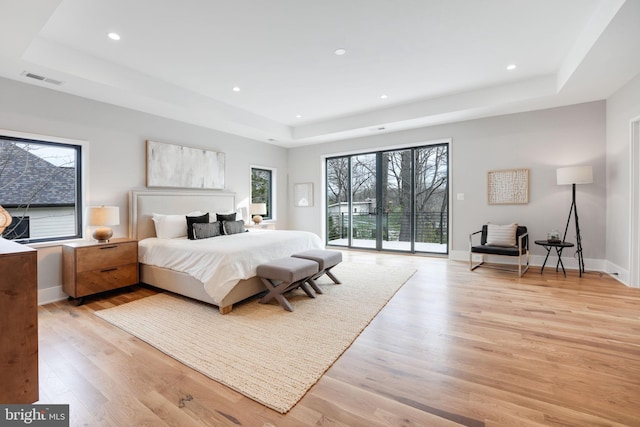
[[574, 175], [102, 217]]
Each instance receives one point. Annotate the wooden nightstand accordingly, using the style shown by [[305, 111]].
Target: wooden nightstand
[[261, 226], [92, 267]]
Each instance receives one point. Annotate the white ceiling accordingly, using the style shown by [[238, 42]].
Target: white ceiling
[[436, 60]]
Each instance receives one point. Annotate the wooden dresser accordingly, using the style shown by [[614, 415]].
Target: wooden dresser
[[19, 323], [92, 267]]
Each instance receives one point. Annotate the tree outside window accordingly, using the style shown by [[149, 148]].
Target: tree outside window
[[262, 189]]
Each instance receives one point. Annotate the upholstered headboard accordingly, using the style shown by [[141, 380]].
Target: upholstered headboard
[[143, 203]]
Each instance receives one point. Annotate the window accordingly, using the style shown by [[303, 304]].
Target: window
[[394, 200], [262, 189], [40, 187]]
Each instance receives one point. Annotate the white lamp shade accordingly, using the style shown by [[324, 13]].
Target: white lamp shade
[[574, 175], [258, 208], [104, 215]]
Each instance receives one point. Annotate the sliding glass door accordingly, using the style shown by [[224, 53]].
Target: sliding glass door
[[397, 200], [389, 200], [364, 227]]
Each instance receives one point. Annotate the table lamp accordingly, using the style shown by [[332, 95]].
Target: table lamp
[[102, 216], [5, 219], [257, 210]]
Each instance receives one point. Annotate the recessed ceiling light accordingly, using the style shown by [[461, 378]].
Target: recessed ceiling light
[[114, 36], [236, 89], [340, 51], [511, 67], [298, 116], [383, 96]]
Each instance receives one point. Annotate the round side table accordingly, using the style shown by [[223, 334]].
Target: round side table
[[559, 246]]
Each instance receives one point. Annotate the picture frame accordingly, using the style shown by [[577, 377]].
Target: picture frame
[[303, 194], [508, 187], [176, 166]]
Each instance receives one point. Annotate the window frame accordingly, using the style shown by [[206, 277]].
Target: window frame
[[82, 149], [271, 205]]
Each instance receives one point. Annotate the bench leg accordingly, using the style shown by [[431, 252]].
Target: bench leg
[[283, 302], [307, 290], [276, 291], [314, 285], [332, 277]]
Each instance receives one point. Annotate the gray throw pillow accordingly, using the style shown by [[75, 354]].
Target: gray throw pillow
[[233, 227], [225, 217], [193, 220], [206, 230]]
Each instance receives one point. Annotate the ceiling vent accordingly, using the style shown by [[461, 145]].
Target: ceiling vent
[[41, 78]]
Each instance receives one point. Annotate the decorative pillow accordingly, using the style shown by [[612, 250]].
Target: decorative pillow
[[205, 231], [233, 227], [225, 217], [501, 235], [171, 226], [191, 220]]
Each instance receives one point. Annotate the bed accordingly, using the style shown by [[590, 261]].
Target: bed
[[216, 280]]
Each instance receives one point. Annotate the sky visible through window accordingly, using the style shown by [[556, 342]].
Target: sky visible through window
[[58, 156]]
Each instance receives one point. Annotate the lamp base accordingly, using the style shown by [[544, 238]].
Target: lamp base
[[257, 219], [102, 234]]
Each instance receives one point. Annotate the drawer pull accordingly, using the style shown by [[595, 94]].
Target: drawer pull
[[108, 247], [106, 270]]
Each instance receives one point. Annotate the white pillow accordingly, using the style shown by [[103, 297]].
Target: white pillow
[[171, 226], [501, 235]]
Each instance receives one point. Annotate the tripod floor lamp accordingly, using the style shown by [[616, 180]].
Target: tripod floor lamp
[[572, 176]]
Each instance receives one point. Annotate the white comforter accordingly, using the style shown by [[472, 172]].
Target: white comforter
[[220, 262]]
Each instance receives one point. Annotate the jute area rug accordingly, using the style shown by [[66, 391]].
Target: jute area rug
[[260, 350]]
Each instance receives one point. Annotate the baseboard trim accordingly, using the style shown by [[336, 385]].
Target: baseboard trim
[[570, 263], [48, 295], [622, 275]]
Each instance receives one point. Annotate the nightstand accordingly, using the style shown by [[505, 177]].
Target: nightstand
[[261, 226], [91, 267]]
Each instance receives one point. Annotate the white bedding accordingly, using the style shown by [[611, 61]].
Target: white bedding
[[220, 262]]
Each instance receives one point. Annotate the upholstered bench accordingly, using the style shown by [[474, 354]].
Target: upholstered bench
[[326, 261], [285, 274]]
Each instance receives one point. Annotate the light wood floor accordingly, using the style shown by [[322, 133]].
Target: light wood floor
[[453, 347]]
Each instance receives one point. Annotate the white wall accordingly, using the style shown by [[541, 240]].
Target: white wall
[[622, 107], [540, 140], [116, 142]]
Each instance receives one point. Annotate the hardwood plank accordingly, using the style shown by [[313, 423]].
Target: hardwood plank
[[453, 347]]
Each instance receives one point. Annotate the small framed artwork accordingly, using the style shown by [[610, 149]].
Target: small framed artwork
[[303, 194], [508, 187]]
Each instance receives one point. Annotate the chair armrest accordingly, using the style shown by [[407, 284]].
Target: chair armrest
[[520, 238], [471, 237]]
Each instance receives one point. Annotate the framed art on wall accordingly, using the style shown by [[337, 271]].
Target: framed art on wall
[[176, 166], [303, 194], [509, 186]]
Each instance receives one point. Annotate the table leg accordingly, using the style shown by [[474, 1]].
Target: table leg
[[545, 258], [559, 252]]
